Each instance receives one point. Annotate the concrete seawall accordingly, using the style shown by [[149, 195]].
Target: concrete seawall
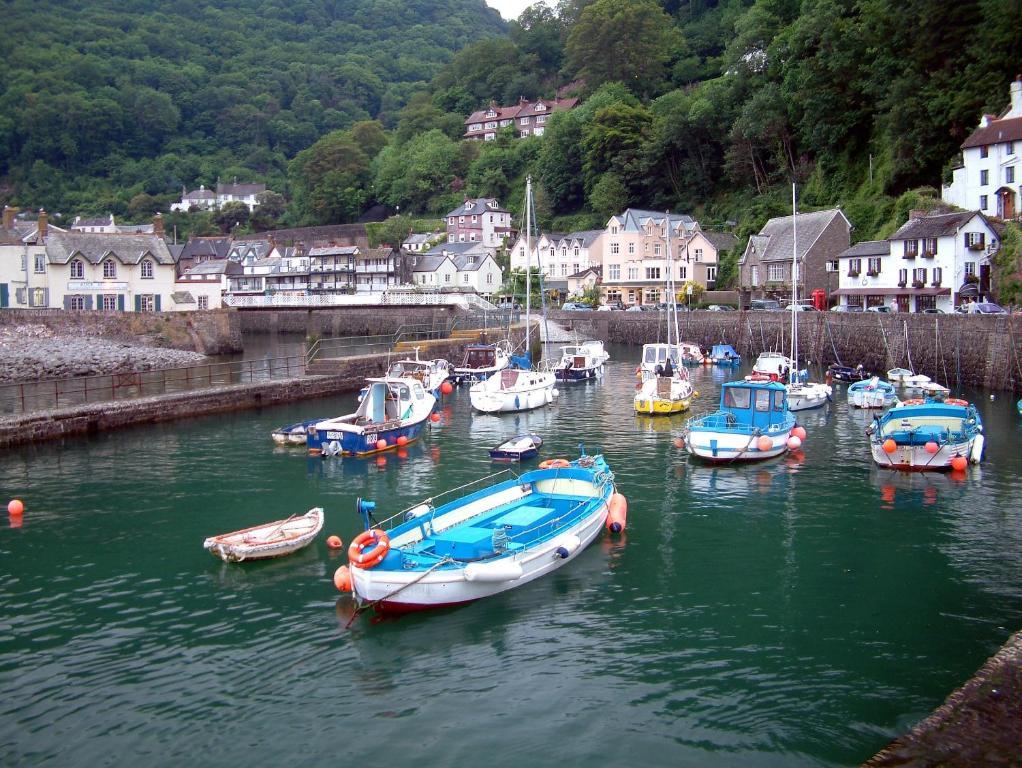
[[971, 350]]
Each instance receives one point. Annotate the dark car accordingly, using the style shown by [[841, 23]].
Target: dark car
[[767, 305]]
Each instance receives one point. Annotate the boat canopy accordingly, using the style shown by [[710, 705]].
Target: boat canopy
[[757, 404], [480, 356], [723, 350], [653, 354]]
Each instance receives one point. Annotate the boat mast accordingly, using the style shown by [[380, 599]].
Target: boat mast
[[794, 288], [672, 308], [528, 258]]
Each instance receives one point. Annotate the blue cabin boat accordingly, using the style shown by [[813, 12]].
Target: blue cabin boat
[[753, 423], [929, 435], [725, 355]]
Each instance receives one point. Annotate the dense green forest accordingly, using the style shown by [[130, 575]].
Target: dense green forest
[[707, 107]]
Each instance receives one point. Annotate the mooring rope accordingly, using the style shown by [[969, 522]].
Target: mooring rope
[[372, 604]]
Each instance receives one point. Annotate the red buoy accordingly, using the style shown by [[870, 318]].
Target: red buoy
[[446, 388], [342, 579], [931, 447], [334, 542], [617, 517], [764, 443], [381, 444], [959, 463], [434, 417], [15, 508], [889, 446], [402, 440]]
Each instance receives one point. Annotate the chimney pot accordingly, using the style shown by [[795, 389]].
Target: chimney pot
[[43, 223]]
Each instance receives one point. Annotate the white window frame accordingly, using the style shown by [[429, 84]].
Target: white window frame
[[613, 271], [147, 269], [40, 263], [109, 269], [776, 273], [77, 269]]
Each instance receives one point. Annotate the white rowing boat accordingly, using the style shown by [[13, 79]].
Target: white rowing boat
[[275, 539]]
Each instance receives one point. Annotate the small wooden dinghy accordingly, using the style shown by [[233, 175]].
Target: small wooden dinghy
[[518, 448], [281, 537]]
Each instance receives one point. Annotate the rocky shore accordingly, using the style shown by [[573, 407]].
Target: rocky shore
[[32, 352]]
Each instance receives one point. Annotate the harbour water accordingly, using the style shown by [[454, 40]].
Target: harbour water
[[791, 613]]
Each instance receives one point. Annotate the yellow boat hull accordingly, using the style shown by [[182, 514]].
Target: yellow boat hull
[[659, 406]]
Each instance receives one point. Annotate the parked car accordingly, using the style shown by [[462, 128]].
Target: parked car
[[802, 308], [767, 305], [933, 311], [663, 305], [846, 308], [720, 308], [881, 308], [574, 306], [639, 308], [987, 308]]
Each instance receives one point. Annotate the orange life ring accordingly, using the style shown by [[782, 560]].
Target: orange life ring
[[358, 555], [956, 401], [913, 401], [554, 464]]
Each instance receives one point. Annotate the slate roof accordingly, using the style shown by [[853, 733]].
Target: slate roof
[[80, 223], [774, 242], [476, 206], [598, 271], [634, 219], [17, 233], [257, 249], [524, 108], [466, 263], [722, 241], [934, 226], [334, 250], [199, 194], [458, 249], [867, 249], [429, 262], [94, 247], [585, 238], [414, 238], [216, 267], [206, 247], [997, 131]]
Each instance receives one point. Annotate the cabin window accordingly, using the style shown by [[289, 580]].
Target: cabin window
[[763, 400], [778, 401], [419, 394], [737, 397]]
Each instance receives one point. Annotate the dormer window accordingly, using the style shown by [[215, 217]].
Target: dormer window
[[541, 107], [77, 270], [147, 269], [109, 269], [491, 113]]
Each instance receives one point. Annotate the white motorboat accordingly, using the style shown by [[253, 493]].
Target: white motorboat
[[581, 362]]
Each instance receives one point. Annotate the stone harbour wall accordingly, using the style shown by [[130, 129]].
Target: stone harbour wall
[[956, 350], [342, 321]]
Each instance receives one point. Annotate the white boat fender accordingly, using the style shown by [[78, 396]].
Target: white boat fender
[[419, 511], [976, 454], [502, 570], [568, 544]]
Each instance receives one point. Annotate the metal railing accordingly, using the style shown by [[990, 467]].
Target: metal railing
[[348, 346], [47, 394]]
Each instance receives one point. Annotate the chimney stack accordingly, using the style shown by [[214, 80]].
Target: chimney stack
[[9, 214], [43, 224], [916, 213], [158, 224]]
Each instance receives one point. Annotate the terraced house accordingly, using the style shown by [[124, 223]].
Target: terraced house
[[527, 117]]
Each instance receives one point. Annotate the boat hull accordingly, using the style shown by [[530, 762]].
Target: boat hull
[[495, 400], [724, 446], [915, 458], [578, 374], [263, 542], [808, 396], [361, 441], [659, 406], [404, 591]]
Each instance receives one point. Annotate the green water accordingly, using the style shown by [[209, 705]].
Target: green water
[[782, 614]]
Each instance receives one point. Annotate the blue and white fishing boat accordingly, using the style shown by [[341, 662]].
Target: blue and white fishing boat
[[933, 435], [517, 448], [872, 393], [725, 355], [753, 423], [392, 413], [581, 362], [486, 542]]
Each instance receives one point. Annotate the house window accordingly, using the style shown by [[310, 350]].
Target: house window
[[147, 269], [925, 302], [974, 240], [109, 269], [902, 277], [109, 302], [203, 302], [631, 248], [984, 151], [755, 275], [918, 277], [911, 249], [613, 296], [652, 296], [854, 267], [652, 273], [938, 275], [576, 251], [613, 230], [984, 178], [489, 278], [574, 268], [523, 121], [447, 277], [614, 272], [873, 267], [776, 273], [1009, 148], [76, 303], [40, 263], [930, 246], [38, 297], [564, 269], [711, 274], [77, 270], [983, 202], [633, 273], [698, 254], [615, 248], [656, 249], [464, 278], [683, 272], [1009, 174], [147, 302], [970, 268]]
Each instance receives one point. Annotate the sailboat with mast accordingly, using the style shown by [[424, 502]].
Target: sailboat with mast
[[665, 388], [520, 388], [802, 393]]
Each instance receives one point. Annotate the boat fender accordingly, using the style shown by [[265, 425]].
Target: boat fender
[[617, 516], [976, 454], [419, 511], [562, 553], [357, 553], [554, 464]]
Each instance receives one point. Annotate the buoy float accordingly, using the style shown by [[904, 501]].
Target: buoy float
[[434, 417], [889, 446], [931, 447], [446, 388], [959, 463], [402, 440], [342, 579], [381, 444], [794, 443], [799, 432], [334, 542], [402, 453], [554, 464], [679, 443], [15, 508], [381, 461], [617, 517], [764, 443]]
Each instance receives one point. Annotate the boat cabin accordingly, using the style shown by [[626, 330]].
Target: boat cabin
[[724, 352], [656, 354], [754, 404], [388, 400], [480, 356]]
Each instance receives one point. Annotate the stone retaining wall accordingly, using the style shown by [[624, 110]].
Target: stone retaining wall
[[973, 350], [343, 321]]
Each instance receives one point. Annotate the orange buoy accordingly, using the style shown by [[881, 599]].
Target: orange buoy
[[402, 453], [402, 440], [446, 388], [554, 464], [794, 443], [764, 443], [434, 417], [959, 463], [799, 432], [956, 401], [381, 444], [931, 447], [334, 542], [342, 579], [679, 443], [15, 508], [617, 516], [889, 446], [381, 461]]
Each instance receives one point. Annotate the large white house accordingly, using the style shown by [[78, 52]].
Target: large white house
[[462, 266], [479, 221], [989, 178], [22, 256], [931, 262], [203, 199]]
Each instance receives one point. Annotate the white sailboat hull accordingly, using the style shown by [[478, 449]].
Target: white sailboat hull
[[804, 397], [533, 390]]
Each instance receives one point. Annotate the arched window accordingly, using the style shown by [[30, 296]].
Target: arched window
[[109, 269], [77, 269], [147, 269]]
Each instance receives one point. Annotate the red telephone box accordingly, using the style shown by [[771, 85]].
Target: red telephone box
[[820, 299]]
